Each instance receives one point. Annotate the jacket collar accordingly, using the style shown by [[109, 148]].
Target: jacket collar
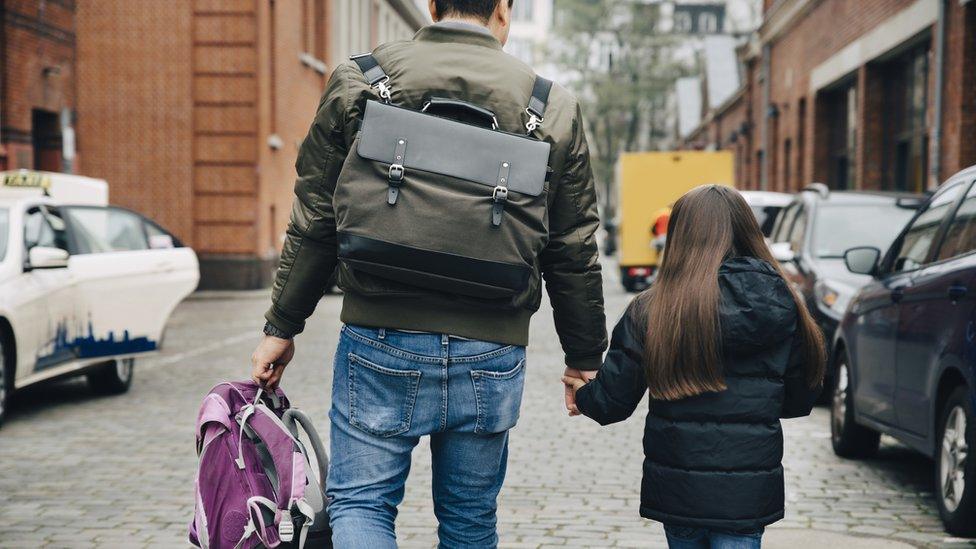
[[457, 31]]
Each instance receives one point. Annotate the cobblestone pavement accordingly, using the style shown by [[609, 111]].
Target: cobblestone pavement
[[83, 471]]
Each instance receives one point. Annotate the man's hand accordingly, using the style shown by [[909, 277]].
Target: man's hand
[[269, 361], [584, 376]]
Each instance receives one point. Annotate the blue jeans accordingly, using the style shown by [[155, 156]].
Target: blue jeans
[[685, 537], [389, 389]]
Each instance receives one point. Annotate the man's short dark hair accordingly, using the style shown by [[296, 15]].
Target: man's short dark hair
[[482, 9]]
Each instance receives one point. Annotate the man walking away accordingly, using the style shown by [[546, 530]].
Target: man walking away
[[441, 263]]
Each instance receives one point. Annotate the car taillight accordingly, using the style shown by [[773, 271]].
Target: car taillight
[[638, 271]]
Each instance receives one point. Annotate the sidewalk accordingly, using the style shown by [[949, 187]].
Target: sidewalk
[[797, 539]]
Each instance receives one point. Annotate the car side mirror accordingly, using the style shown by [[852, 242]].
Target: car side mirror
[[782, 252], [43, 257], [862, 260]]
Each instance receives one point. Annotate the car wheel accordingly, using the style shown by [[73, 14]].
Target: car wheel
[[113, 377], [955, 474], [6, 381], [849, 439]]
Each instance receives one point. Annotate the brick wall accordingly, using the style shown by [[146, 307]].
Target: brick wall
[[799, 137], [179, 102], [225, 80], [194, 112], [959, 100], [826, 29], [287, 114], [38, 71], [134, 119]]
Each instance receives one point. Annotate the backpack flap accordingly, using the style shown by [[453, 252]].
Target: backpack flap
[[447, 147]]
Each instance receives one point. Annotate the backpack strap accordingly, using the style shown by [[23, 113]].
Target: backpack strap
[[537, 103], [374, 74], [378, 80]]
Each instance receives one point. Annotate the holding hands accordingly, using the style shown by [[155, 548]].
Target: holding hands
[[573, 379]]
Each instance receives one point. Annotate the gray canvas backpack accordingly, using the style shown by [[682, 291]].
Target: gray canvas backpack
[[441, 199]]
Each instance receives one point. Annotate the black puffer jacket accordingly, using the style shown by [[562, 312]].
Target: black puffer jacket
[[714, 460]]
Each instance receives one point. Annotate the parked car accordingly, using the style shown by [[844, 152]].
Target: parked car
[[905, 352], [85, 288], [812, 233], [767, 206]]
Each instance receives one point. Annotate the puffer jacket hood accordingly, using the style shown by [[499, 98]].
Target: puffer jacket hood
[[714, 460], [757, 308]]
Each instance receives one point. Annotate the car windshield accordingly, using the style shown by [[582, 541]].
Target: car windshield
[[838, 228], [4, 231]]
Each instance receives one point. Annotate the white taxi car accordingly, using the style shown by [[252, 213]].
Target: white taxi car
[[85, 288]]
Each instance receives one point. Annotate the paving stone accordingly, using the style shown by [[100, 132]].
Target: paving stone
[[79, 470]]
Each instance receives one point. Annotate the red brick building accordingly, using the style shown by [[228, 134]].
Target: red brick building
[[865, 94], [192, 110], [37, 77]]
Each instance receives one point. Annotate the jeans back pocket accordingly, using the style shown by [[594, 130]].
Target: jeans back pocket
[[381, 400], [498, 396]]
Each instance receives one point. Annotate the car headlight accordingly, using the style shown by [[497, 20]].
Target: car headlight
[[834, 297]]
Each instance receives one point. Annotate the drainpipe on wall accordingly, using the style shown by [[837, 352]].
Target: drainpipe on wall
[[764, 138], [935, 144]]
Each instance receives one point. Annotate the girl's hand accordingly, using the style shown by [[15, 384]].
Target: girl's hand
[[573, 384]]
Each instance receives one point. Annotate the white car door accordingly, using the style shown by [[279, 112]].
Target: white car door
[[130, 274], [42, 299]]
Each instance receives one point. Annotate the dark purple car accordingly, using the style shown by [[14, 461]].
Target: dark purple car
[[905, 351]]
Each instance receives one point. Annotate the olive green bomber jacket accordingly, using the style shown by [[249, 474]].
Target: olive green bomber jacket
[[469, 65]]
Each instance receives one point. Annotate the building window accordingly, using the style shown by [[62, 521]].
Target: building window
[[801, 138], [523, 10], [841, 117], [46, 139], [708, 23], [758, 167], [905, 119], [787, 164], [319, 25]]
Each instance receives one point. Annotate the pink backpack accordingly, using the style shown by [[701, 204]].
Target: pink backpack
[[255, 483]]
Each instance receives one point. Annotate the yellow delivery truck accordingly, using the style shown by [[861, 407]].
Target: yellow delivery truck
[[648, 183]]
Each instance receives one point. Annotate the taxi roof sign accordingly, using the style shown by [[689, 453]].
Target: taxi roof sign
[[62, 187], [25, 178]]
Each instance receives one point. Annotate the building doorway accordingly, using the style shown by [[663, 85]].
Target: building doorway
[[839, 116], [46, 140], [906, 139]]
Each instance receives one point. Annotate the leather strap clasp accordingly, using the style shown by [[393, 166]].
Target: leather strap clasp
[[499, 196], [396, 173]]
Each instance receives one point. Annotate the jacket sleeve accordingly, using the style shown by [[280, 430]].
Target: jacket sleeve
[[308, 257], [619, 387], [571, 262], [799, 397]]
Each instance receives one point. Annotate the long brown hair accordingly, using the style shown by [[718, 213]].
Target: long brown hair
[[683, 341]]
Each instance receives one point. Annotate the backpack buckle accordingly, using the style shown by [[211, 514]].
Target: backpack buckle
[[535, 120], [396, 174], [286, 528], [383, 89], [500, 194], [396, 179]]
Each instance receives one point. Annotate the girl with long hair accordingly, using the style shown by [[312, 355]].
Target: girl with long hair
[[726, 349]]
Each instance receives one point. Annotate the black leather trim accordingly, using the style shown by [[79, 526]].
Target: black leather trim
[[540, 96], [401, 259], [455, 149]]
